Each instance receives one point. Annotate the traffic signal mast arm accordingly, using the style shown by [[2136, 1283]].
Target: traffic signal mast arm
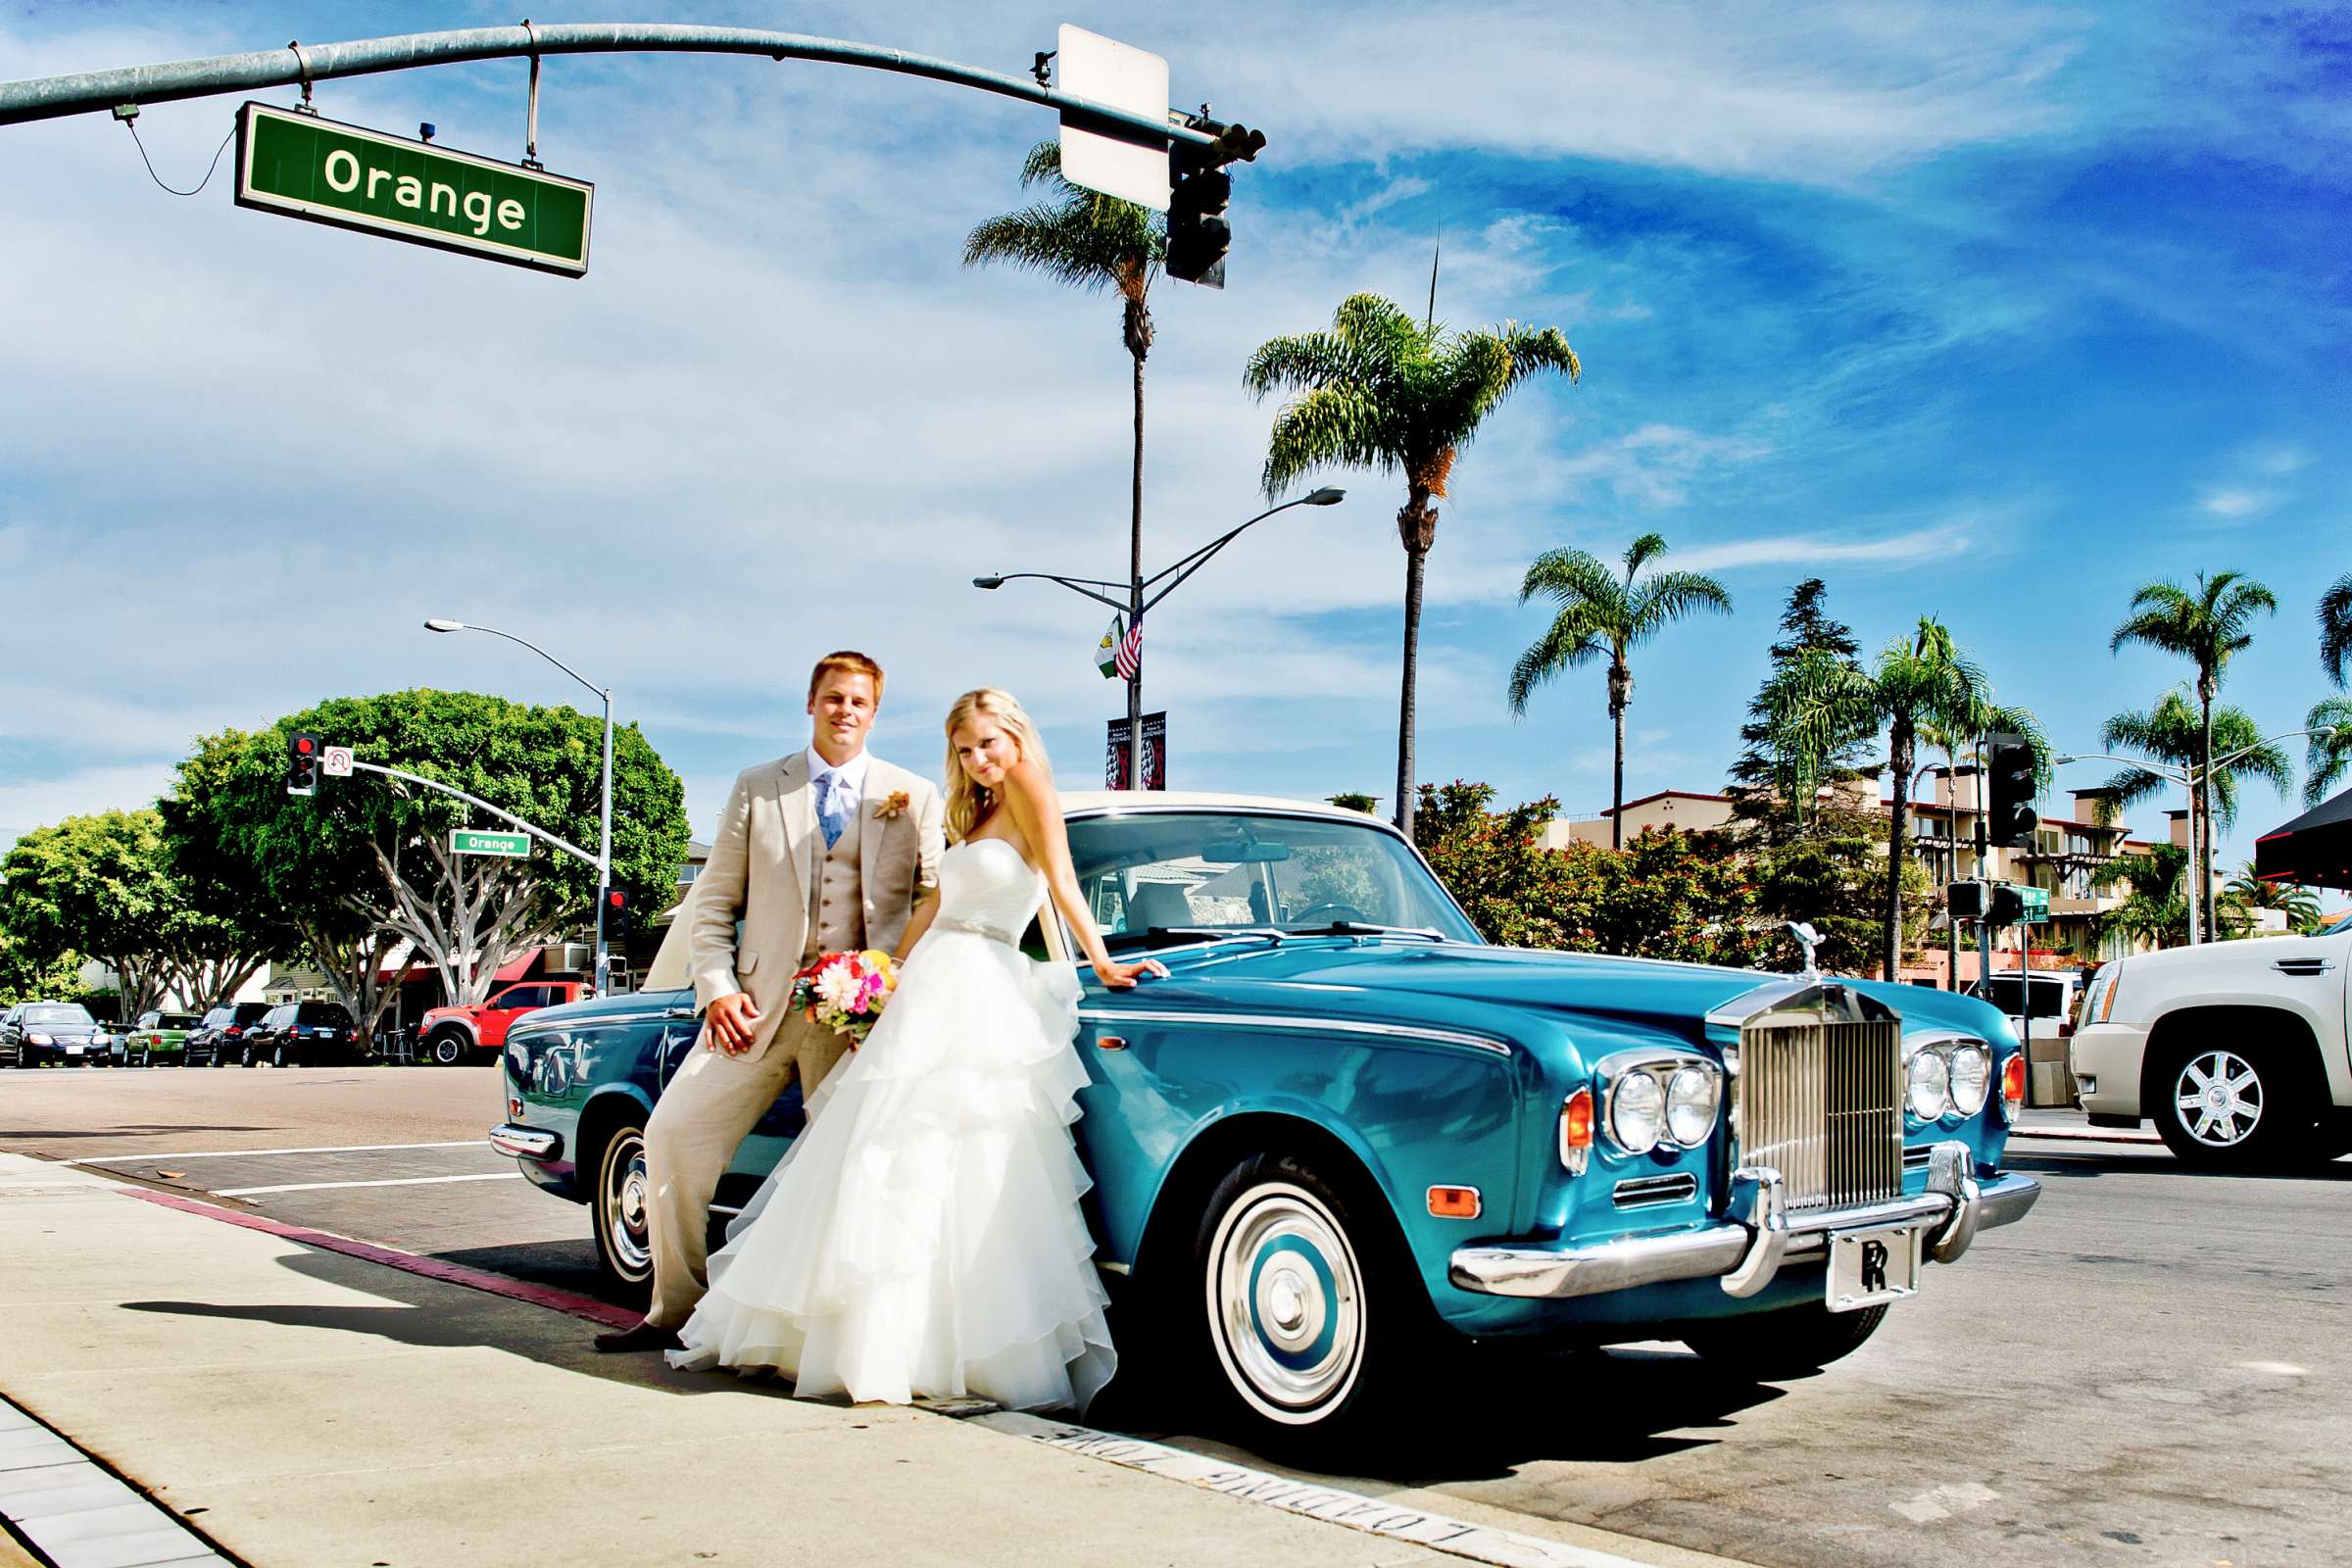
[[478, 803]]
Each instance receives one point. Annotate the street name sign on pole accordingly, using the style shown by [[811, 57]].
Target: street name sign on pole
[[473, 840], [1128, 164], [335, 761], [2036, 901], [301, 166]]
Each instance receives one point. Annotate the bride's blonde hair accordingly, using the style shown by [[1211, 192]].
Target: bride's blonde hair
[[968, 802]]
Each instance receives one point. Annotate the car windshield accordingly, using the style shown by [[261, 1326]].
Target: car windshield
[[1207, 871], [67, 1016], [324, 1012], [250, 1011], [2049, 996]]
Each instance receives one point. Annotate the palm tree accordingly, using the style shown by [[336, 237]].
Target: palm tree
[[2175, 733], [1092, 242], [1603, 616], [2301, 904], [2205, 625], [1917, 681], [1379, 391], [2156, 910], [2335, 628], [2329, 752]]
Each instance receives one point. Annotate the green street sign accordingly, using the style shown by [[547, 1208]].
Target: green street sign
[[2036, 901], [305, 166], [468, 841]]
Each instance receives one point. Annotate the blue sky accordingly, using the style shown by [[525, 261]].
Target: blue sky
[[1988, 312]]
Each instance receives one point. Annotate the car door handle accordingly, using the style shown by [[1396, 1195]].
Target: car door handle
[[678, 1012], [2304, 967]]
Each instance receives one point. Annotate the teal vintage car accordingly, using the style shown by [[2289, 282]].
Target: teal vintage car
[[1347, 1129]]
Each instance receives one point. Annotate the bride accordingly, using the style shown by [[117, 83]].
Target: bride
[[922, 1238]]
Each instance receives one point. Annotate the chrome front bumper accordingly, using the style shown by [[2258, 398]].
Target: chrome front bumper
[[526, 1143], [1745, 1254]]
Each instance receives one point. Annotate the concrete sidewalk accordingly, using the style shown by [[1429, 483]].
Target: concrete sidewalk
[[302, 1408]]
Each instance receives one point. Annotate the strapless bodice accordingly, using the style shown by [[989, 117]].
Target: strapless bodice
[[987, 884]]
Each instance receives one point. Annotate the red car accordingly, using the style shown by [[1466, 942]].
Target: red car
[[454, 1034]]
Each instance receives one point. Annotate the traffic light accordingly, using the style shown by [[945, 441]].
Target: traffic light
[[1198, 233], [2010, 819], [302, 764], [616, 918], [2007, 906], [1965, 900]]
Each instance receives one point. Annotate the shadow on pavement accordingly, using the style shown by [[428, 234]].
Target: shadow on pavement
[[2160, 1162], [567, 1265]]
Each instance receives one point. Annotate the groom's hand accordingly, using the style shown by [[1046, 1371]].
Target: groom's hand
[[730, 1023]]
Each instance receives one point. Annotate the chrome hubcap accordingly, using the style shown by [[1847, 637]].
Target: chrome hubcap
[[625, 1226], [1286, 1301], [2220, 1099]]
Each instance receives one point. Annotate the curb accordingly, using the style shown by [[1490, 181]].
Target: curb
[[2086, 1135]]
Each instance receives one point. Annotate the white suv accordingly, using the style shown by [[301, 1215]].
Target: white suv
[[2236, 1050]]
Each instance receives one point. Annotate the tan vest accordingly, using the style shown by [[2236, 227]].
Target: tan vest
[[836, 895]]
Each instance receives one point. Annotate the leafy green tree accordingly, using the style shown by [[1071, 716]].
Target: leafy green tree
[[28, 977], [369, 858], [1924, 678], [1604, 617], [1092, 242], [1354, 801], [2335, 629], [1516, 892], [1379, 391], [230, 923], [1685, 897], [2208, 625], [94, 885], [2155, 907], [1768, 790], [2329, 749], [1832, 877]]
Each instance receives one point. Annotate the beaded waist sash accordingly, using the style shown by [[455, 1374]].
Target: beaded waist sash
[[976, 928]]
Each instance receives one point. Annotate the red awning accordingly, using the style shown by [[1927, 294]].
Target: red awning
[[516, 968]]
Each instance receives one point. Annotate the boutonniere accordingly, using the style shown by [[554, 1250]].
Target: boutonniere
[[892, 806]]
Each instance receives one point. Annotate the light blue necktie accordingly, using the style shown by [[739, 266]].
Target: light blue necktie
[[832, 822]]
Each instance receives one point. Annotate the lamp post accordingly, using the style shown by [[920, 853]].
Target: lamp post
[[1951, 851], [604, 847], [1139, 599], [2191, 780]]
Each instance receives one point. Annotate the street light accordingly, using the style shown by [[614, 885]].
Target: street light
[[2187, 779], [604, 847], [1135, 602]]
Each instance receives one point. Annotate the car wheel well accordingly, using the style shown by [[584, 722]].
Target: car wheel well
[[600, 1119], [2270, 1028], [1176, 1210]]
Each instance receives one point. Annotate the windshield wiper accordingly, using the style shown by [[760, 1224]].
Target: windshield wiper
[[1360, 928], [1169, 936]]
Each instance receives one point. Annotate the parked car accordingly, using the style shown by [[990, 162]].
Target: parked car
[[219, 1037], [157, 1036], [1346, 1130], [2052, 993], [2236, 1050], [453, 1035], [302, 1034], [33, 1034]]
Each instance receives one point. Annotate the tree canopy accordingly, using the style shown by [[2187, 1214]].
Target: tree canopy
[[96, 885]]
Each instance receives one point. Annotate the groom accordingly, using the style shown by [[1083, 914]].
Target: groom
[[826, 850]]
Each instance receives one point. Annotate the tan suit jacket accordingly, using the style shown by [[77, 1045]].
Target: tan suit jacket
[[760, 869]]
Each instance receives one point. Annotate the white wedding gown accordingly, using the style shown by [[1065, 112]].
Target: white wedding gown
[[922, 1238]]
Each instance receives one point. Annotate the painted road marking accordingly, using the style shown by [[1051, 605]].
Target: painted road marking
[[398, 1181], [1480, 1543], [256, 1153]]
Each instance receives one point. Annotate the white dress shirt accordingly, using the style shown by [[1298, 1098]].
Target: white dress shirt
[[847, 787]]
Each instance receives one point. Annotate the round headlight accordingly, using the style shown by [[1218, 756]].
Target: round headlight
[[1691, 1108], [1636, 1112], [1930, 1085], [1972, 1078]]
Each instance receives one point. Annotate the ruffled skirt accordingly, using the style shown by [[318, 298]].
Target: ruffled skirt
[[923, 1239]]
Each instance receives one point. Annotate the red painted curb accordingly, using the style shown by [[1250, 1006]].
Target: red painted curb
[[431, 1268]]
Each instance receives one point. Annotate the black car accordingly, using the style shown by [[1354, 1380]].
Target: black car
[[33, 1033], [219, 1039], [302, 1034]]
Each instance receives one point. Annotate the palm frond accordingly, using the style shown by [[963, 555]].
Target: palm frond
[[2335, 628], [1329, 425], [2328, 755], [1641, 552], [1054, 241], [1574, 577], [1296, 363], [1534, 349], [1565, 644], [1669, 596]]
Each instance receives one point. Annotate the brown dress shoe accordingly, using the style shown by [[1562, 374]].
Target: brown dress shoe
[[643, 1336]]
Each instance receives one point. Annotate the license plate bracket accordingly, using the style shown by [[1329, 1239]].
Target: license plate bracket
[[1869, 1267]]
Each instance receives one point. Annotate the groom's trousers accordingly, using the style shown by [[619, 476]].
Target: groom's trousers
[[709, 1105]]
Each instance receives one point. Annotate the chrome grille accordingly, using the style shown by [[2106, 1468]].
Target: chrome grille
[[1822, 1103]]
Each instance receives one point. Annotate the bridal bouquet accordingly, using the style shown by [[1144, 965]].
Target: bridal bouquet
[[845, 992]]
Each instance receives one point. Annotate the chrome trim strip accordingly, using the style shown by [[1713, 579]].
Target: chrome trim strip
[[526, 1143], [1107, 1266], [1256, 1020]]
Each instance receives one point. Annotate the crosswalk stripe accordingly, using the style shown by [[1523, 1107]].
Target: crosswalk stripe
[[400, 1180]]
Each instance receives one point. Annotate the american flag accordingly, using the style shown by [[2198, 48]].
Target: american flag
[[1131, 651]]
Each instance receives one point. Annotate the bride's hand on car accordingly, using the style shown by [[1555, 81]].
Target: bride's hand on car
[[1122, 976]]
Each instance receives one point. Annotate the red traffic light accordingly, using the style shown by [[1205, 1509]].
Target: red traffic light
[[617, 899], [304, 745]]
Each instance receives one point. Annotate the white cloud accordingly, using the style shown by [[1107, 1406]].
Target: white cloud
[[1655, 465], [1796, 549], [36, 803], [2232, 503]]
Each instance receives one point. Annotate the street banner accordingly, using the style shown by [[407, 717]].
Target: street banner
[[1155, 753], [1106, 652]]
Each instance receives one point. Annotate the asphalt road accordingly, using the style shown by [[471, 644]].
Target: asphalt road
[[2147, 1370]]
